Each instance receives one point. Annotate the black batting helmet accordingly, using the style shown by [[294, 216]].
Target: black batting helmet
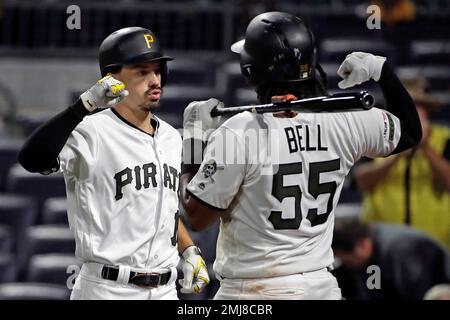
[[131, 45], [278, 47]]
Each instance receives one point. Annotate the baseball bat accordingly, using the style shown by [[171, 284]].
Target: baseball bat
[[348, 101]]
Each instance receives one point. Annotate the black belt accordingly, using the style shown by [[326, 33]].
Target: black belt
[[148, 280]]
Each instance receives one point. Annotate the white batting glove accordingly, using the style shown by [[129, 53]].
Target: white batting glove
[[195, 273], [106, 93], [359, 67], [198, 125], [197, 119]]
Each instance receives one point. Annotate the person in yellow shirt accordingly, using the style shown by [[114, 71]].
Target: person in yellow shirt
[[395, 11], [412, 187]]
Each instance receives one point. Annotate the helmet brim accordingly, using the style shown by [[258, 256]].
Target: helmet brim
[[149, 56], [238, 46]]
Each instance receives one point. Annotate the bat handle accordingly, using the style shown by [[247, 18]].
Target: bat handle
[[215, 112]]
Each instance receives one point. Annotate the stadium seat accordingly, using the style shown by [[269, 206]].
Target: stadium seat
[[348, 210], [228, 80], [40, 187], [424, 28], [191, 72], [33, 291], [50, 239], [430, 52], [54, 211], [176, 98], [229, 77], [438, 76], [31, 123], [6, 239], [17, 212], [345, 23], [243, 97], [52, 268], [334, 50], [8, 157], [8, 268]]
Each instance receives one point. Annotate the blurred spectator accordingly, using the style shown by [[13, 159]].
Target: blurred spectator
[[412, 187], [394, 11], [410, 263]]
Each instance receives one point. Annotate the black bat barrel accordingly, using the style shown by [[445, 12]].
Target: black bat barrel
[[348, 101]]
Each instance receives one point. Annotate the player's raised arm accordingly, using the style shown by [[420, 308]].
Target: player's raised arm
[[198, 125], [400, 103], [359, 67], [40, 151]]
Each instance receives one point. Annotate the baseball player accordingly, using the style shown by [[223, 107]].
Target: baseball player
[[121, 167], [274, 179]]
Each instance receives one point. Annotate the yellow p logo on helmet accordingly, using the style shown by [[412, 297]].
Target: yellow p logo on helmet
[[149, 39]]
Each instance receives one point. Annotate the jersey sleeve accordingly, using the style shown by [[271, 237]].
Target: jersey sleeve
[[79, 154], [376, 132], [222, 170]]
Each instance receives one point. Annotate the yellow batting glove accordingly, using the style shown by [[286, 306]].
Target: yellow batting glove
[[115, 87], [195, 273], [107, 92]]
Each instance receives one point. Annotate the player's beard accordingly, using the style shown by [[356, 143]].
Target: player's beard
[[152, 104], [149, 106]]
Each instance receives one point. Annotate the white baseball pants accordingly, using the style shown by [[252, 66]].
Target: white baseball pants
[[316, 285], [89, 285]]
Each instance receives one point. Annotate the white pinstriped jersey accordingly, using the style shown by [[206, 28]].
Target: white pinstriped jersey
[[280, 180], [122, 191]]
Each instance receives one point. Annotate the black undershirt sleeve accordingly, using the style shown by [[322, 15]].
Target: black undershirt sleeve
[[400, 104], [188, 163], [41, 149]]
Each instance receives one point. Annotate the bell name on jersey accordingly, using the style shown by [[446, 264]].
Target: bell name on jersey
[[304, 138]]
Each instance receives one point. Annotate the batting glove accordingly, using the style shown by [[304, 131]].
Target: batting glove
[[198, 125], [197, 118], [359, 67], [106, 93], [195, 273]]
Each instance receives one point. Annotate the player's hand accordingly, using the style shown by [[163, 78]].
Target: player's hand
[[281, 99], [359, 67], [106, 93], [197, 118], [284, 98], [195, 273]]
